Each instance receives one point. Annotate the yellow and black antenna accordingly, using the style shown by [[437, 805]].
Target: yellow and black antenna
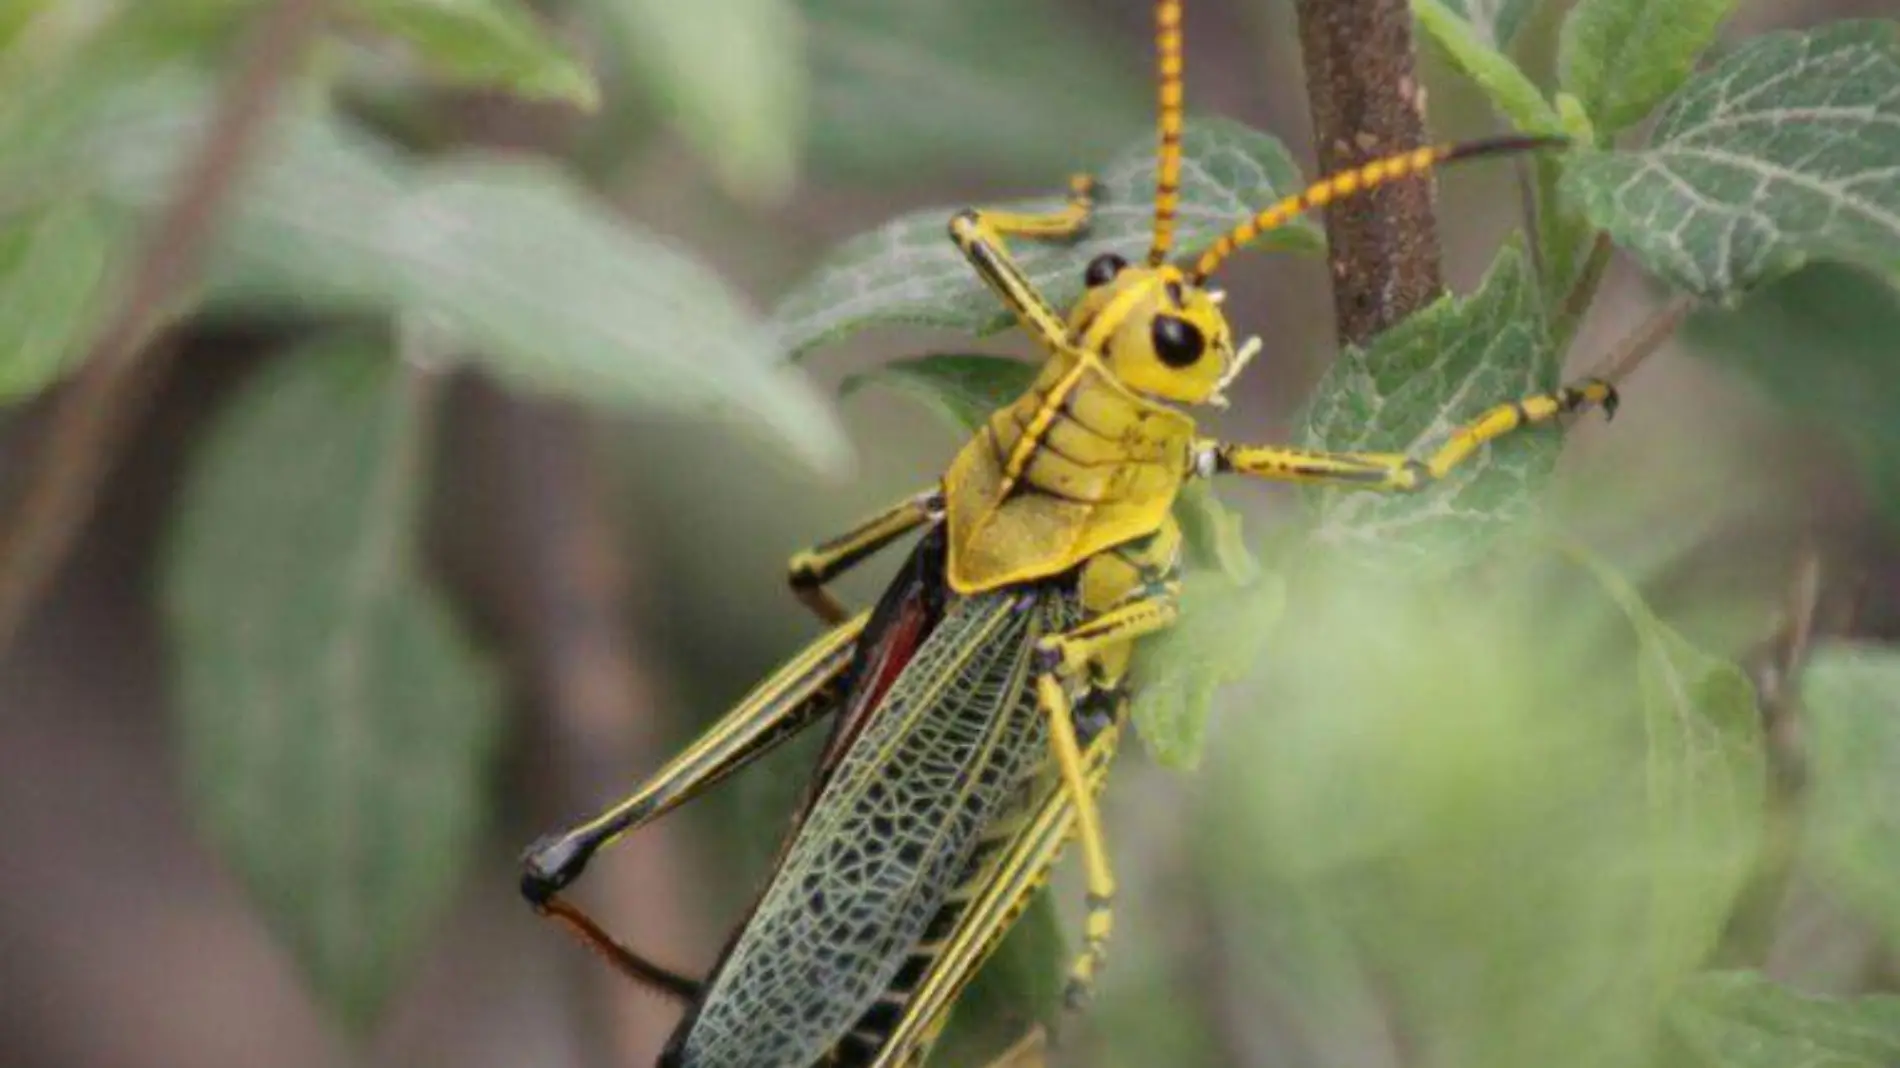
[[1168, 153], [1351, 183]]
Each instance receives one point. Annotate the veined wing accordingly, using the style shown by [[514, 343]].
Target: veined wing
[[1013, 862], [933, 764]]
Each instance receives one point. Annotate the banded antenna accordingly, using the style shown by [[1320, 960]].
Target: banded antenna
[[1168, 153], [1351, 183]]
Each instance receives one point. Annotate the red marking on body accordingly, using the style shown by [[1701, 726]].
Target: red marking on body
[[894, 654]]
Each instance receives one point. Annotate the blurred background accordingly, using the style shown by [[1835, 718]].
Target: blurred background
[[601, 579]]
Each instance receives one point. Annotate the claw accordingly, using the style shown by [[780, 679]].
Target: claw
[[552, 863]]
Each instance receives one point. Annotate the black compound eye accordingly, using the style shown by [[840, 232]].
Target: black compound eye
[[1177, 341], [1103, 269]]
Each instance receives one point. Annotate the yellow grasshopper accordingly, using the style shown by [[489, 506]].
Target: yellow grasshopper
[[976, 709]]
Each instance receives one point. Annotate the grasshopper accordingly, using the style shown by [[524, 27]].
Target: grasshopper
[[977, 707]]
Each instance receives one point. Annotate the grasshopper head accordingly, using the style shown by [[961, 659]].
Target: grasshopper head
[[1158, 328], [1156, 331]]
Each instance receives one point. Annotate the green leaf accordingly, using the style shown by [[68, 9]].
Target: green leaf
[[1210, 534], [1741, 1020], [545, 286], [1851, 694], [307, 224], [53, 270], [1480, 56], [933, 85], [731, 77], [1566, 238], [498, 43], [336, 723], [1819, 343], [97, 40], [1706, 778], [1575, 121], [1223, 629], [1494, 22], [550, 292], [963, 389], [1410, 388], [1787, 150], [908, 270], [1622, 57]]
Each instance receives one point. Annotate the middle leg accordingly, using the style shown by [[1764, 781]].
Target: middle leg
[[1061, 659]]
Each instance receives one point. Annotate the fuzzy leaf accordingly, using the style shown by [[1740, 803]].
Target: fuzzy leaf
[[730, 76], [549, 293], [1477, 52], [306, 227], [1411, 387], [53, 270], [908, 270], [1741, 1020], [1706, 778], [1223, 628], [542, 283], [491, 43], [1622, 57], [1787, 150], [1852, 698], [963, 389], [335, 721]]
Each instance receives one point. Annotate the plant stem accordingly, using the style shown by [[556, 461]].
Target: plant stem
[[1366, 102], [1643, 342], [95, 412], [1582, 293]]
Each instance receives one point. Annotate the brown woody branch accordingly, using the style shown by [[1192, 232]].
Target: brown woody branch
[[1651, 334], [1366, 102]]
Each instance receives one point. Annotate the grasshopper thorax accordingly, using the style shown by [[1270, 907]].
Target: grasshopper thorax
[[1156, 331]]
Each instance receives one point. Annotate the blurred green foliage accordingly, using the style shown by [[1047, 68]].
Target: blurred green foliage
[[1483, 827], [335, 717], [1820, 343], [486, 43], [1487, 797], [1740, 1020], [1852, 695]]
